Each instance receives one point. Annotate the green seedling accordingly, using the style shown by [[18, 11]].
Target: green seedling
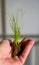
[[16, 45], [15, 28]]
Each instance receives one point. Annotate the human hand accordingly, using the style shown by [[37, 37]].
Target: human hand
[[5, 56]]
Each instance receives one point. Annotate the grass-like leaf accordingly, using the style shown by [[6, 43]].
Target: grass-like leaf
[[15, 28]]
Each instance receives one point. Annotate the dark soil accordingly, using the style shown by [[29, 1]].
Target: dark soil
[[15, 49]]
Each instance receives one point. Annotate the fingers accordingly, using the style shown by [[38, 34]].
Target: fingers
[[28, 45], [4, 49]]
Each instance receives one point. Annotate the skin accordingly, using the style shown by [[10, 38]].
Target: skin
[[5, 56]]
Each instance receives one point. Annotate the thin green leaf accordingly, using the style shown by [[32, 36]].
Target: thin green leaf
[[15, 28]]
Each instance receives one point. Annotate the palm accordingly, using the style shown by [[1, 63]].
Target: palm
[[5, 57], [10, 61]]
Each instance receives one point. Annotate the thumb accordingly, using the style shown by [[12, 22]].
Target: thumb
[[26, 51]]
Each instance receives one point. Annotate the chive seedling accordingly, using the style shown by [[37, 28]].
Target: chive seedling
[[15, 28], [15, 47]]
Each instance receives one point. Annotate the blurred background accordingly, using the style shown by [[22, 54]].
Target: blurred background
[[29, 23]]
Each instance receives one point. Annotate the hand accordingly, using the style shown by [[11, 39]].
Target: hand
[[5, 57]]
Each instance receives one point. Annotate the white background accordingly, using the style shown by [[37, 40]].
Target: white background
[[30, 15]]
